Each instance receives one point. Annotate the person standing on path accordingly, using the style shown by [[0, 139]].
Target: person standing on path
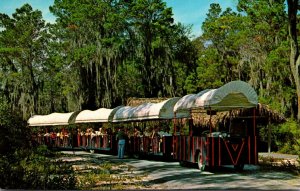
[[121, 137]]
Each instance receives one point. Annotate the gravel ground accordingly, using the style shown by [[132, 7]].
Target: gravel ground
[[279, 156], [169, 175]]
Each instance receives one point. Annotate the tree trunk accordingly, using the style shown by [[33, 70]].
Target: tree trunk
[[294, 57], [88, 87]]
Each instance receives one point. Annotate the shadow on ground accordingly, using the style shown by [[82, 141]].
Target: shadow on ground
[[170, 175]]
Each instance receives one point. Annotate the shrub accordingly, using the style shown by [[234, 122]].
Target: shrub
[[288, 138], [285, 137], [26, 167]]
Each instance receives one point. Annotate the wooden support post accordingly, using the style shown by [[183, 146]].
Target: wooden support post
[[210, 123], [269, 136]]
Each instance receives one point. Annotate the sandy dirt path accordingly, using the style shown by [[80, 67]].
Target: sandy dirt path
[[169, 175]]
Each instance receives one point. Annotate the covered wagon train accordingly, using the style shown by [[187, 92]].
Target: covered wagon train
[[166, 128]]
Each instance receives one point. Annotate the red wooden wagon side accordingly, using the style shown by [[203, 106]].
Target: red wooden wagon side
[[235, 144]]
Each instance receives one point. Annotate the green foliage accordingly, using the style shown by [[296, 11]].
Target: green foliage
[[129, 81], [223, 36], [208, 69], [23, 42], [268, 50], [285, 137], [22, 166], [89, 180], [153, 21], [250, 45], [34, 170], [289, 137], [99, 53], [13, 133]]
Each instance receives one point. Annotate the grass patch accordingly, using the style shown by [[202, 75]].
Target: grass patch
[[97, 174], [271, 163]]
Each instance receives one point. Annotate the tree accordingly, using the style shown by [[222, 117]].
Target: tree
[[220, 53], [152, 25], [111, 43], [23, 45], [96, 33], [265, 50], [293, 6], [250, 45], [185, 58]]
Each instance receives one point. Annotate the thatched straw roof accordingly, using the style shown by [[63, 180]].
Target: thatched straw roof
[[264, 115], [133, 101]]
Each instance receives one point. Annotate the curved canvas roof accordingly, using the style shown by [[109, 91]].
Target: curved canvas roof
[[235, 94], [51, 119], [99, 115], [147, 111], [164, 110], [123, 114]]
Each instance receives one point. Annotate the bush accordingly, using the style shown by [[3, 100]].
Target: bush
[[288, 138], [285, 137], [23, 166], [13, 132], [35, 171]]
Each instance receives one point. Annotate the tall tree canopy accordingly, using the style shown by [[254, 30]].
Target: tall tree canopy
[[99, 53], [152, 23], [23, 54], [249, 45], [104, 39], [95, 34]]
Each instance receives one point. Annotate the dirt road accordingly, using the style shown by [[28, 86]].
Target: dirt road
[[169, 175]]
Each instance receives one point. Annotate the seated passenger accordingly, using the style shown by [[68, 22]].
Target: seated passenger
[[78, 137], [155, 140], [136, 132]]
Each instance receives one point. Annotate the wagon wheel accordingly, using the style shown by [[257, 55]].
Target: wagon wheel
[[136, 156], [201, 162], [239, 167], [183, 163]]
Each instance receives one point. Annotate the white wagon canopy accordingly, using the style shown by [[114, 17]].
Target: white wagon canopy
[[150, 111], [52, 119], [102, 115], [233, 95]]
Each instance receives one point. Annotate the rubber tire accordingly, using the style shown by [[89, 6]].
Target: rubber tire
[[136, 156], [183, 163], [239, 167], [200, 162]]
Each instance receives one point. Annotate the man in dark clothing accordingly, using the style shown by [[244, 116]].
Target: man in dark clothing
[[121, 136]]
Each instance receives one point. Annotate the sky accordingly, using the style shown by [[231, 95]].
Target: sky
[[187, 12], [9, 6], [193, 12]]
